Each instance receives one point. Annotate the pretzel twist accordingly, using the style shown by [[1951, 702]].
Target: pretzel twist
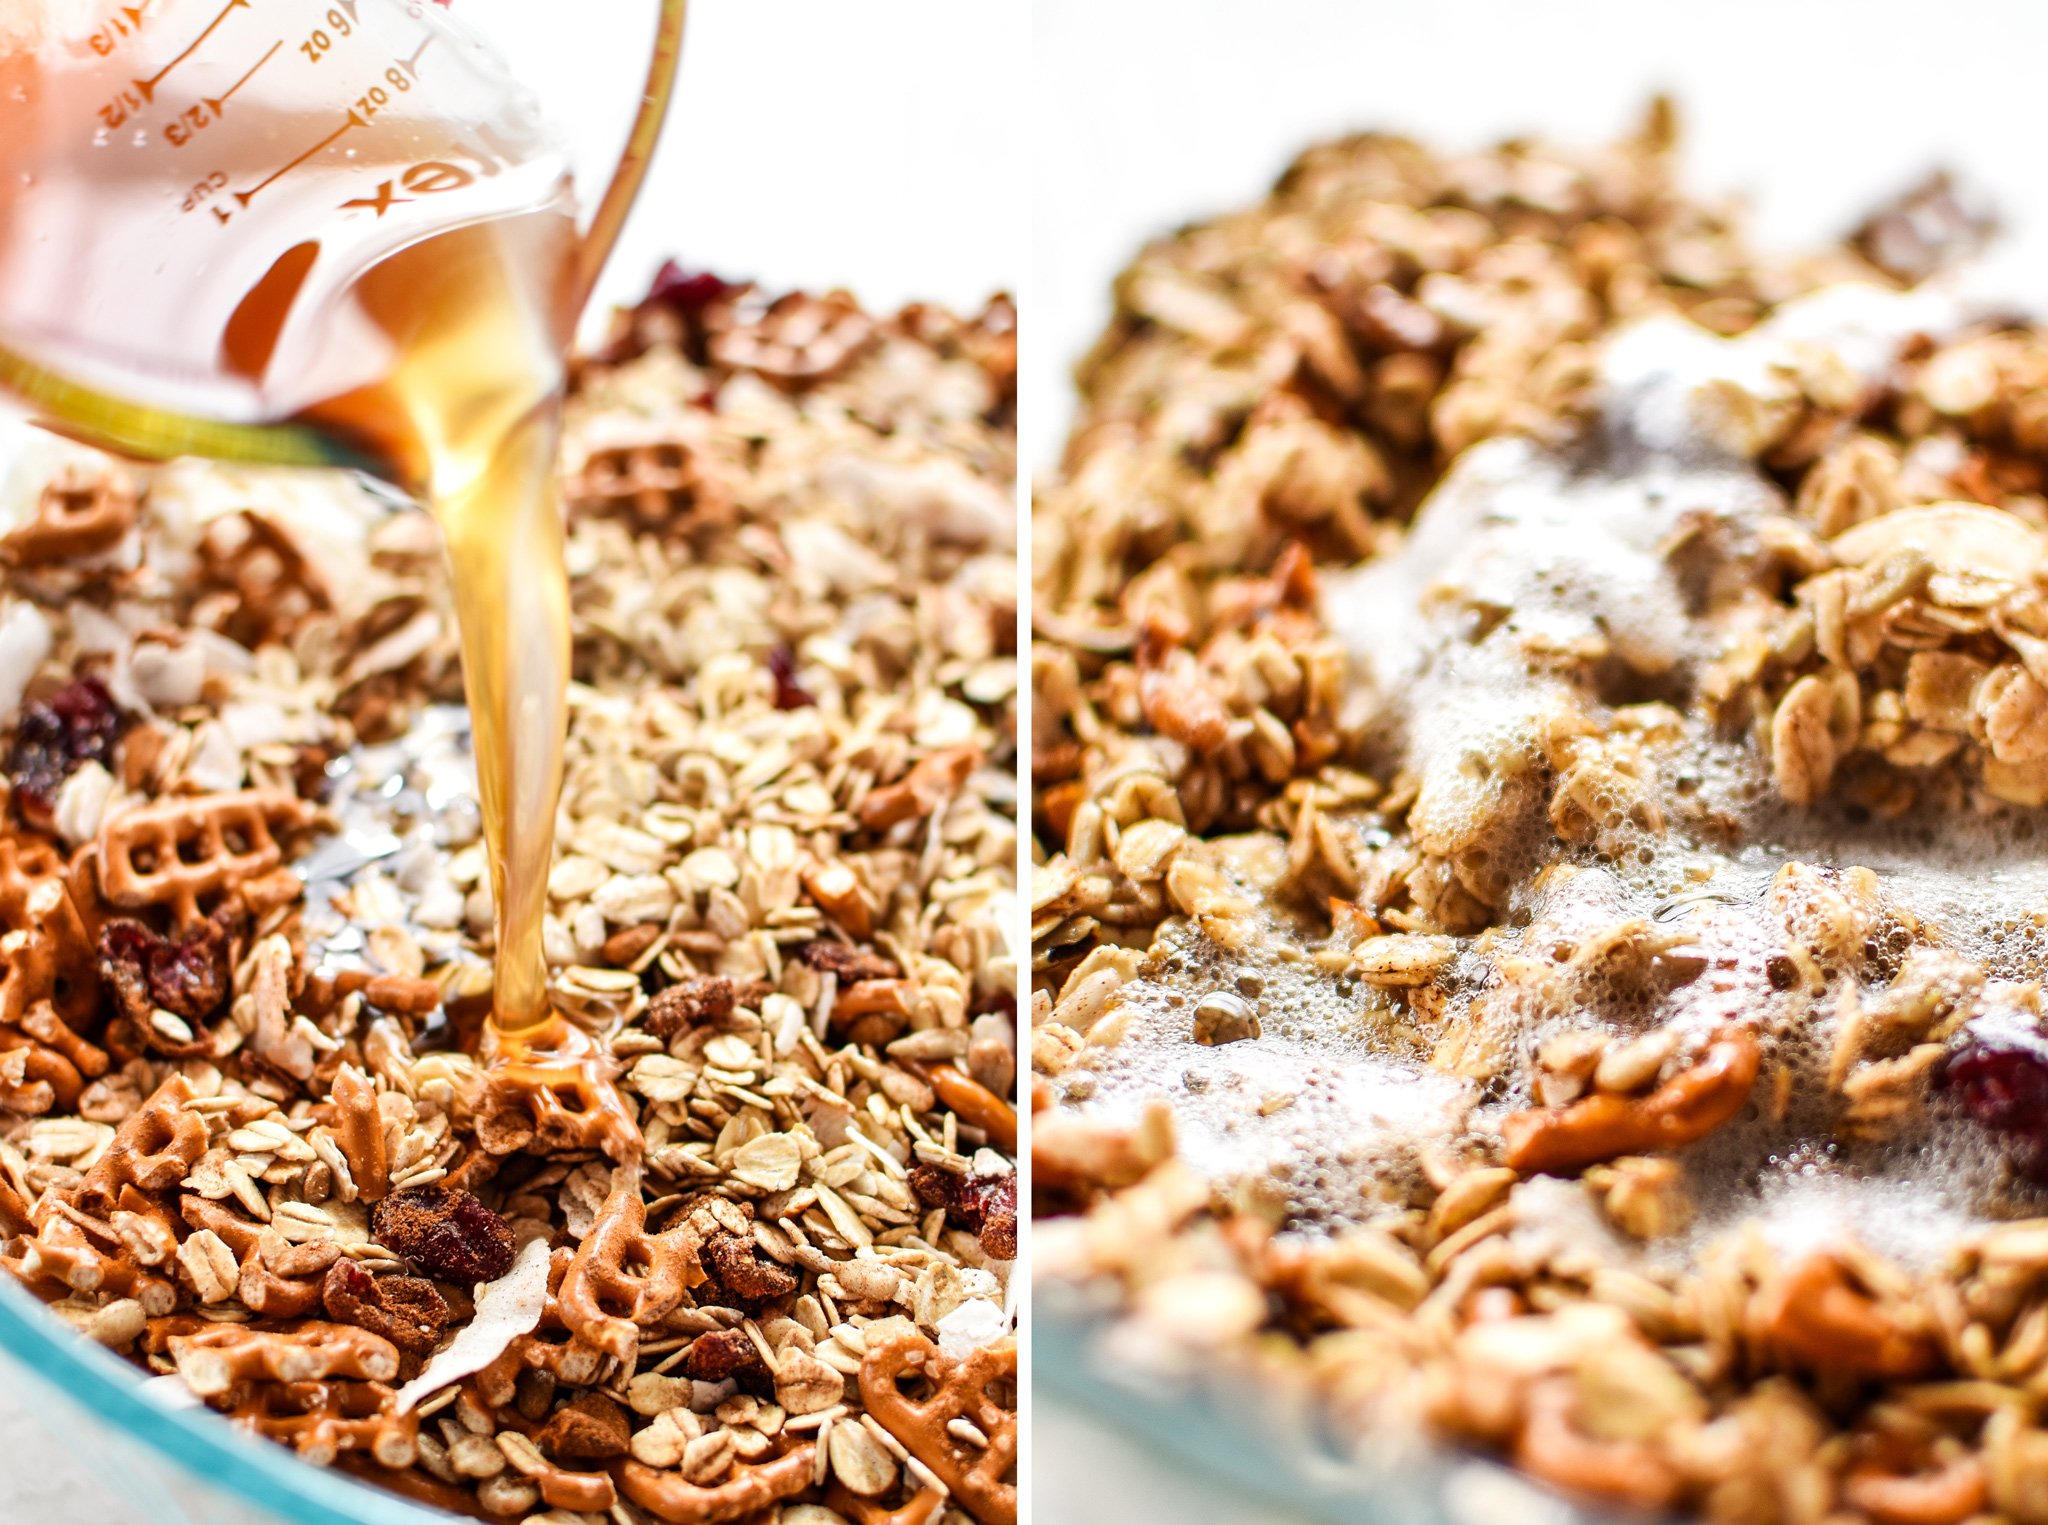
[[976, 1476], [622, 1277], [322, 1420], [214, 1360], [153, 1150], [46, 954], [180, 852], [75, 517]]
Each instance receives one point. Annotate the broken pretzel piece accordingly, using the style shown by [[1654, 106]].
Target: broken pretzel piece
[[979, 1477], [184, 854], [1819, 1317], [1551, 1445], [214, 1360], [751, 1489], [1681, 1111], [359, 1132], [76, 517], [624, 1277], [323, 1420]]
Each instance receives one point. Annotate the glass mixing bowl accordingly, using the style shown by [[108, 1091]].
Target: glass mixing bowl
[[174, 1466], [1212, 1447]]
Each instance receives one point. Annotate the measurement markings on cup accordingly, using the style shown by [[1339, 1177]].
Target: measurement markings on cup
[[180, 131], [148, 86]]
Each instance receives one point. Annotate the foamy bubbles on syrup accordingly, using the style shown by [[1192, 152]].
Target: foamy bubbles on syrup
[[1526, 549], [1310, 1114]]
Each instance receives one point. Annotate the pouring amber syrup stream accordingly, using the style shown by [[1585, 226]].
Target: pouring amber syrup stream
[[466, 418]]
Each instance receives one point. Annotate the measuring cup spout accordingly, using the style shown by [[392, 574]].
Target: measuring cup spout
[[159, 173]]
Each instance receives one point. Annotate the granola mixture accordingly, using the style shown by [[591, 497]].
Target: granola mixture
[[242, 1136], [1540, 720]]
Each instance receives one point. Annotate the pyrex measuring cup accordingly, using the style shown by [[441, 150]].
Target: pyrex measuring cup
[[188, 188]]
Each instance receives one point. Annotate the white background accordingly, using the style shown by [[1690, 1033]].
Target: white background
[[1151, 112], [872, 144], [875, 145]]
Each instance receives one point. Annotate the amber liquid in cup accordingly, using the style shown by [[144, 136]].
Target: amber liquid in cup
[[189, 264]]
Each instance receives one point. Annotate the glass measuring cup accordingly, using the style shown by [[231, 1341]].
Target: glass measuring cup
[[190, 189]]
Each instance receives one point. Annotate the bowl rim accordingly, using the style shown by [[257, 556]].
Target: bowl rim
[[1218, 1419], [198, 1442]]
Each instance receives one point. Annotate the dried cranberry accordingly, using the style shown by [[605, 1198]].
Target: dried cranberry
[[789, 694], [1999, 1077], [986, 1206], [448, 1234], [687, 291], [189, 975], [80, 723]]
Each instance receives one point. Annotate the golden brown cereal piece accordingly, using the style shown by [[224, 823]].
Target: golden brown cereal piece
[[46, 951], [1683, 1110], [977, 1476], [180, 853]]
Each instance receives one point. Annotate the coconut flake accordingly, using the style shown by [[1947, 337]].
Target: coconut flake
[[169, 1391], [975, 1323], [505, 1309], [24, 642]]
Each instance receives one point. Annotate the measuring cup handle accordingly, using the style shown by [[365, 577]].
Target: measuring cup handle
[[610, 217]]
